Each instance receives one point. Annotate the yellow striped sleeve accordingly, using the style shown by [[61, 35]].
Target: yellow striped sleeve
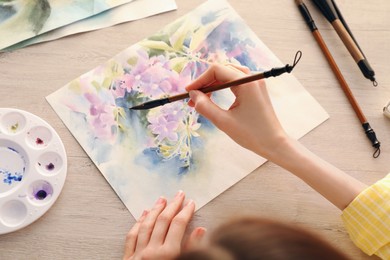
[[367, 219]]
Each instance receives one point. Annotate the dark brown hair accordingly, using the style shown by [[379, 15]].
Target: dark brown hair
[[254, 238]]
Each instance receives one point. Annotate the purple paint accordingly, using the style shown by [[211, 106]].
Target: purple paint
[[40, 195], [41, 190], [50, 167]]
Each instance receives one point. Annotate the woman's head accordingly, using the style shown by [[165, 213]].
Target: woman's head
[[255, 238]]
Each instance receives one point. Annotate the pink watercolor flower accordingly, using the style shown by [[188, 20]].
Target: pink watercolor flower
[[126, 82]]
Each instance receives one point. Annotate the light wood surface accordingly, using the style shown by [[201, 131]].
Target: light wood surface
[[88, 221]]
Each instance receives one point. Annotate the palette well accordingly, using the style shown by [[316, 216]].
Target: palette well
[[33, 168]]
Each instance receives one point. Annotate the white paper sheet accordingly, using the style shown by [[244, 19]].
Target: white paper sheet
[[125, 13]]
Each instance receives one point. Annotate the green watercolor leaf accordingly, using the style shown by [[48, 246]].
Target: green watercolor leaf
[[178, 63], [107, 82], [38, 13], [96, 85], [157, 45], [180, 35], [162, 37], [200, 35], [75, 86], [174, 26], [132, 61]]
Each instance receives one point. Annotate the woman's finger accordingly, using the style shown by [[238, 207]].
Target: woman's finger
[[214, 74], [196, 238], [208, 108], [239, 68], [244, 69], [132, 235], [147, 225], [164, 219], [179, 224]]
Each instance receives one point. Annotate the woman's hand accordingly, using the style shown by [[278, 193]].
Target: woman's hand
[[158, 234], [252, 123], [251, 120]]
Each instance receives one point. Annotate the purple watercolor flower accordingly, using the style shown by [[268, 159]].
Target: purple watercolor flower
[[163, 128], [173, 111], [154, 78], [101, 111]]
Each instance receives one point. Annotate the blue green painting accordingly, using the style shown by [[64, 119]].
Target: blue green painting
[[24, 19]]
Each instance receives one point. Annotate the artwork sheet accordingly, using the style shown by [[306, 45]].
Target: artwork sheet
[[23, 19], [146, 154], [132, 11]]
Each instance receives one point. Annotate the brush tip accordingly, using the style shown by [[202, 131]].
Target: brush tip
[[139, 107]]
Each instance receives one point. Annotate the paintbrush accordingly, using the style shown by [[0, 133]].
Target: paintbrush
[[333, 14], [343, 83], [274, 72]]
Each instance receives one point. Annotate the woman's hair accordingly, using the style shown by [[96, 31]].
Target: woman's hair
[[254, 238]]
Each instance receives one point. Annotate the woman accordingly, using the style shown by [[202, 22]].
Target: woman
[[252, 123]]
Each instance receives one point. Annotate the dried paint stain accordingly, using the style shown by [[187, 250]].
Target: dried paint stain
[[50, 167], [14, 127], [39, 141], [9, 177], [41, 194], [42, 190]]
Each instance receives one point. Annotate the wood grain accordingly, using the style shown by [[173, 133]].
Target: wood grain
[[88, 221]]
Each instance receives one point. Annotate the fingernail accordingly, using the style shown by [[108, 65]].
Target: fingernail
[[189, 203], [179, 194], [143, 215], [200, 232], [193, 95], [160, 200]]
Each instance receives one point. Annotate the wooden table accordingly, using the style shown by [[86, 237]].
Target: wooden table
[[88, 221]]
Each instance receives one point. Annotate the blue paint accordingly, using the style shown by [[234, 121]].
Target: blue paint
[[9, 177], [12, 149]]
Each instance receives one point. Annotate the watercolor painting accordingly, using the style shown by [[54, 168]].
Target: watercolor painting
[[131, 11], [23, 19], [145, 154]]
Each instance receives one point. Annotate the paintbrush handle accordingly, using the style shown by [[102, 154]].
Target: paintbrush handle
[[221, 86], [333, 15], [271, 73], [339, 76], [266, 74], [349, 43]]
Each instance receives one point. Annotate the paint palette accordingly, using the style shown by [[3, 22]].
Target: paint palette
[[33, 168]]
